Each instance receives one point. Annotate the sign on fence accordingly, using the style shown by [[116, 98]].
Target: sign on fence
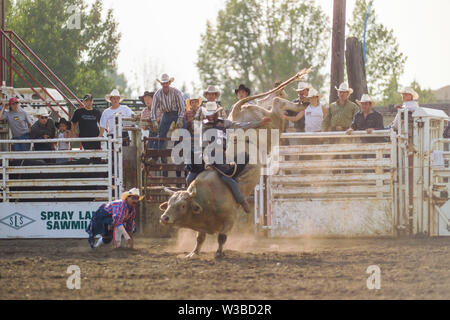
[[46, 219]]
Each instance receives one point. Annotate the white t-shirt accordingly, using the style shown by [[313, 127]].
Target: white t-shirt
[[313, 118], [107, 119]]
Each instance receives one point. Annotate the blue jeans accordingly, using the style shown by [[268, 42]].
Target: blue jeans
[[152, 144], [22, 146], [164, 127]]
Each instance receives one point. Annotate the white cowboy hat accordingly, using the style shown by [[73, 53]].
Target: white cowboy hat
[[114, 93], [411, 91], [344, 87], [366, 98], [302, 86], [132, 192], [42, 113], [210, 108], [313, 93], [164, 78], [211, 89]]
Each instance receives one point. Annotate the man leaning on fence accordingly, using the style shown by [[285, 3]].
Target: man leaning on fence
[[44, 128], [19, 123], [341, 113]]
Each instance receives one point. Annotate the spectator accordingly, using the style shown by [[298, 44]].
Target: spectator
[[409, 98], [107, 118], [243, 92], [146, 118], [87, 121], [193, 111], [170, 102], [314, 113], [367, 119], [341, 113], [64, 132], [44, 128], [212, 94], [19, 123], [299, 125]]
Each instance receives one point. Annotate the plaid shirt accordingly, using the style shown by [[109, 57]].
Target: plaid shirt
[[172, 102], [122, 215]]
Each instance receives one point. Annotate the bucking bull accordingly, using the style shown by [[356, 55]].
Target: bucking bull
[[208, 205]]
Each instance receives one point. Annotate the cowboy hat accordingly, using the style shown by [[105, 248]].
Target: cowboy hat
[[146, 94], [344, 87], [164, 78], [114, 93], [303, 86], [210, 109], [64, 121], [366, 98], [313, 93], [42, 113], [132, 192], [243, 88], [193, 97], [212, 89], [411, 91]]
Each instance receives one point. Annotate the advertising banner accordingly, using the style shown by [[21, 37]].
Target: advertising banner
[[46, 219]]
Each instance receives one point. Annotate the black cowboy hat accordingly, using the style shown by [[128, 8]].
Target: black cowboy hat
[[64, 121], [242, 87], [146, 94]]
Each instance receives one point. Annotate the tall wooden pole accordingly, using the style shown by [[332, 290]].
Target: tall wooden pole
[[3, 73], [356, 71], [337, 48]]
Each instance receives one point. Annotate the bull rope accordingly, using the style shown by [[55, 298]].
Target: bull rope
[[223, 173]]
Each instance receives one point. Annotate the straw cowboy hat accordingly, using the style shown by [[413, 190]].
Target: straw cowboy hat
[[344, 87], [366, 98], [411, 91], [212, 89], [210, 109], [164, 78], [114, 93], [194, 97], [132, 192], [303, 86], [313, 93], [42, 113]]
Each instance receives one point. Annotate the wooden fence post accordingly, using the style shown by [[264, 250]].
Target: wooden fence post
[[356, 70]]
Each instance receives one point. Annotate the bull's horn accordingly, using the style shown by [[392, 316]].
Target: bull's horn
[[170, 192], [193, 192]]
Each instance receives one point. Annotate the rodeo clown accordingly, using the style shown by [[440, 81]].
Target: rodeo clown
[[228, 172], [115, 220]]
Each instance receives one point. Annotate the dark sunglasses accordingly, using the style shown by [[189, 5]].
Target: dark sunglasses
[[134, 197], [44, 117]]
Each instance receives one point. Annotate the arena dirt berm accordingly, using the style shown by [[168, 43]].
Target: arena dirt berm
[[253, 268]]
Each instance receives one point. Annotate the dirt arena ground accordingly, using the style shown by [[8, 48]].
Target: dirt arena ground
[[252, 269]]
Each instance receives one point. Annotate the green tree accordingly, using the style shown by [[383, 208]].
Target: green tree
[[384, 61], [83, 58], [258, 42], [426, 96]]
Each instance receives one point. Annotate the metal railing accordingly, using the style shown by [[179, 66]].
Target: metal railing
[[36, 175], [16, 44]]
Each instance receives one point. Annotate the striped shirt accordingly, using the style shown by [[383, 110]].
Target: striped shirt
[[172, 102], [122, 214]]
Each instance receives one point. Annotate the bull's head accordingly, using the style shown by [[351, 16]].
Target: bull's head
[[181, 207]]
